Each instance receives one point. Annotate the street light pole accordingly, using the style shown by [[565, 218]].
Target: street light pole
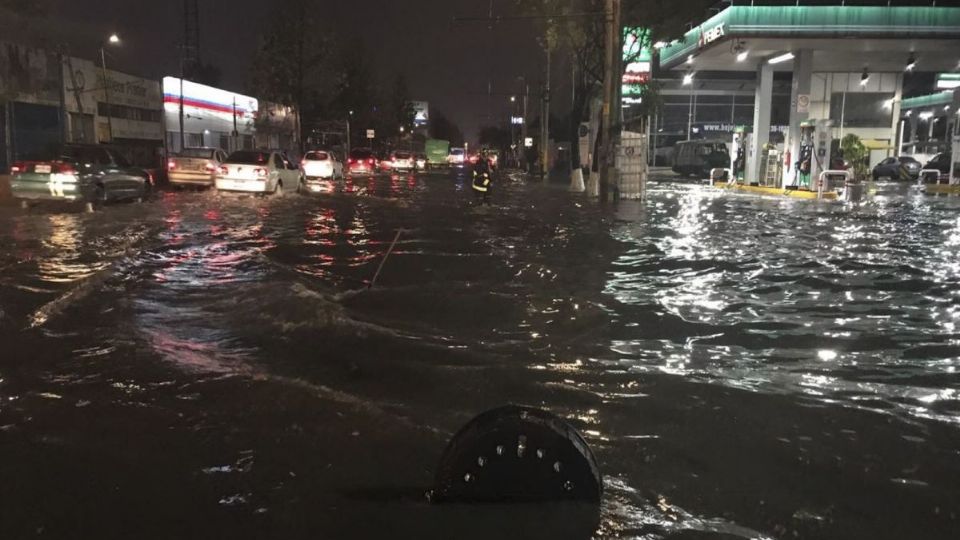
[[106, 92], [114, 39]]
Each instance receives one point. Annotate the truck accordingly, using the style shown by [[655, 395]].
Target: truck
[[437, 152]]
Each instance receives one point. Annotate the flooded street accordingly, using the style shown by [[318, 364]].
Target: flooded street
[[199, 366]]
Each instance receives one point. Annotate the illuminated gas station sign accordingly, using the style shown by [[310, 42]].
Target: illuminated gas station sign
[[637, 59]]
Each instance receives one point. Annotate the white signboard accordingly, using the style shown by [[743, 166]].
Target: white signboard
[[421, 113], [136, 102], [207, 109], [528, 142], [371, 134]]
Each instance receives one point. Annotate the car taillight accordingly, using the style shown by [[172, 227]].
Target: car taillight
[[373, 162], [261, 172], [17, 168], [171, 165], [224, 171], [66, 168], [210, 167]]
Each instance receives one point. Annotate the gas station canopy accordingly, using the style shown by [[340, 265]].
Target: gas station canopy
[[841, 38]]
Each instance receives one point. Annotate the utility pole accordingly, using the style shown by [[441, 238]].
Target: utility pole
[[611, 94], [545, 121]]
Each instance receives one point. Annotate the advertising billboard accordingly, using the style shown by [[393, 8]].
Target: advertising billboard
[[421, 111]]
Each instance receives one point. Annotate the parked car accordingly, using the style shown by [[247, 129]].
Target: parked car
[[84, 173], [399, 161], [362, 162], [940, 162], [195, 167], [259, 171], [903, 168], [321, 164], [698, 158]]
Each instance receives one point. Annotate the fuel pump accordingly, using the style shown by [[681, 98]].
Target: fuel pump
[[823, 142], [803, 168]]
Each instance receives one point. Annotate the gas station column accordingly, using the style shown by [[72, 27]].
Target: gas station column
[[761, 121], [799, 107]]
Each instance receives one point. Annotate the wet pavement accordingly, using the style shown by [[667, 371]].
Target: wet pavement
[[203, 366]]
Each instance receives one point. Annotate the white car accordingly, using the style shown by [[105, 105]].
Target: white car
[[259, 171], [400, 162], [321, 165], [457, 157]]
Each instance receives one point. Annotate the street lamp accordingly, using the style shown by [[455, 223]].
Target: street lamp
[[114, 39]]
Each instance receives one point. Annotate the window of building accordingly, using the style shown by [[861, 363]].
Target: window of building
[[861, 109]]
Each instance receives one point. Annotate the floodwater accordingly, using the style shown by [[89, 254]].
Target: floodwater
[[216, 367]]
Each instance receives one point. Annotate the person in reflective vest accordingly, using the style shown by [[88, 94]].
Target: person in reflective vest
[[482, 180]]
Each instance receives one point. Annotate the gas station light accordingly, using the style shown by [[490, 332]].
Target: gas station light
[[743, 56], [782, 58], [865, 78], [690, 59], [688, 79], [659, 44], [912, 62]]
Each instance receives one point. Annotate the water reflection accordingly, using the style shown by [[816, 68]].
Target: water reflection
[[828, 288]]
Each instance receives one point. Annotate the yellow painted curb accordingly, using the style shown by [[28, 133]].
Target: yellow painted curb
[[780, 192]]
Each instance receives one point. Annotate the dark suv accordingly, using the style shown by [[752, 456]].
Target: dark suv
[[85, 173]]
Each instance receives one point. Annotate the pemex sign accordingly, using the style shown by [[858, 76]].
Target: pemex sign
[[637, 59]]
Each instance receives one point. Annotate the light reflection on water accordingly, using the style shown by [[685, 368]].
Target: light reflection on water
[[832, 289]]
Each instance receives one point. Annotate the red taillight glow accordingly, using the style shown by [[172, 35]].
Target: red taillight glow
[[210, 167], [260, 172], [171, 165], [224, 171], [66, 168], [16, 169]]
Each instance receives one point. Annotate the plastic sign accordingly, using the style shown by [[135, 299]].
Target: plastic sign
[[371, 134], [948, 81], [638, 59], [516, 120], [709, 36], [528, 142]]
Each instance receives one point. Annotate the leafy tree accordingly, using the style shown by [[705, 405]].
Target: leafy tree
[[292, 58], [496, 137], [857, 154], [442, 128], [583, 38], [400, 111], [355, 90]]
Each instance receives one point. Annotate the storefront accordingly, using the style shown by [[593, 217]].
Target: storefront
[[125, 112], [30, 120], [203, 116]]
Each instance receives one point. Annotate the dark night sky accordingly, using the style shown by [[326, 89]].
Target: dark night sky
[[447, 64]]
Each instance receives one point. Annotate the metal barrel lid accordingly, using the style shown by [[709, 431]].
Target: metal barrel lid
[[517, 454]]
